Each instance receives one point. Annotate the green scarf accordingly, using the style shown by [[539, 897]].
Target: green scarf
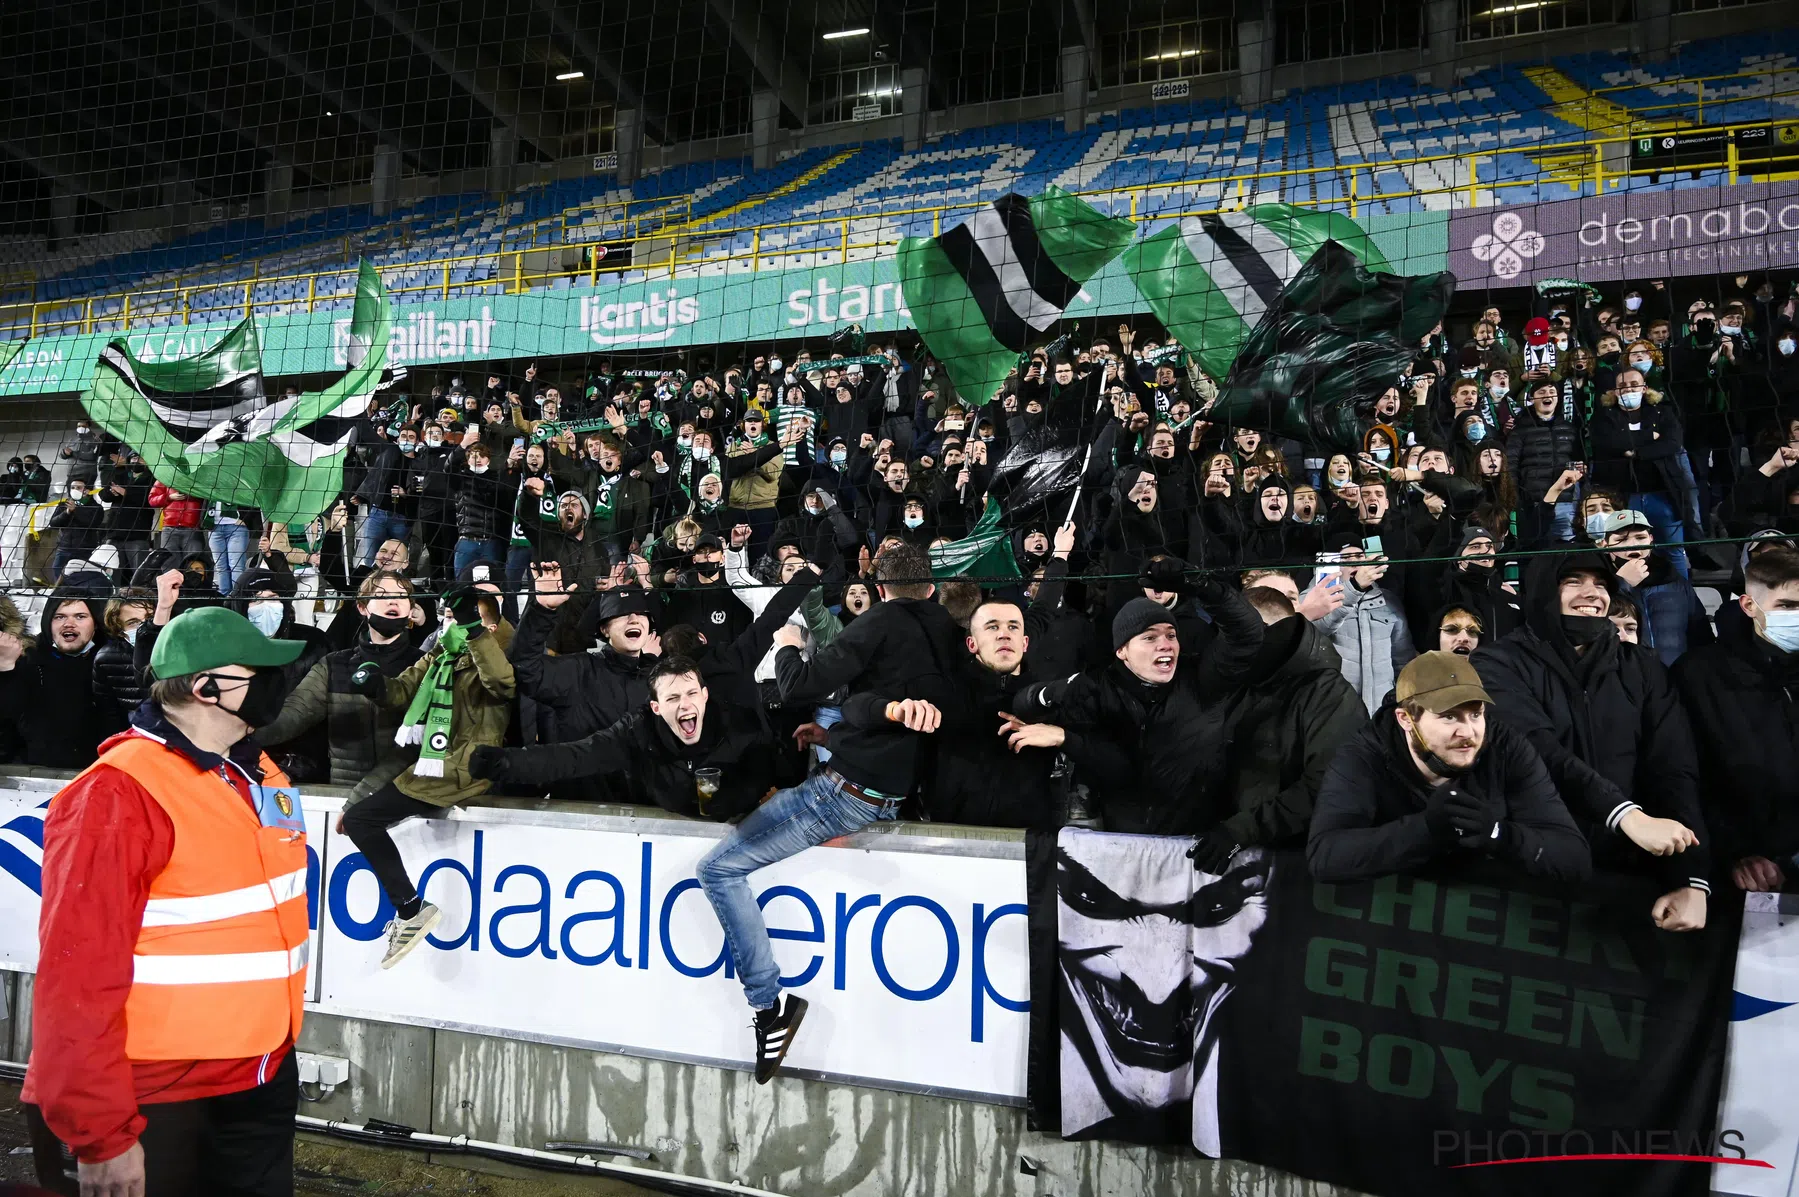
[[428, 719]]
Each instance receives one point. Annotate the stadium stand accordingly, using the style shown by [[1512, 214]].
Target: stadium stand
[[1391, 145]]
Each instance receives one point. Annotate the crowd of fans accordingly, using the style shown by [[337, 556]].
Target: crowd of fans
[[1477, 635]]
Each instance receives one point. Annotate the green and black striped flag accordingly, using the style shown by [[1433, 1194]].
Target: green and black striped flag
[[206, 426], [1210, 279], [980, 292]]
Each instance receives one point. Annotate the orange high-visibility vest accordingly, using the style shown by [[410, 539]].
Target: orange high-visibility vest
[[220, 964]]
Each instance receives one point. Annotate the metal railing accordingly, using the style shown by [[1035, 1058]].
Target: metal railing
[[530, 263]]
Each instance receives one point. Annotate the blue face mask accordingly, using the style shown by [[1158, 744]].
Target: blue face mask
[[839, 456], [915, 521], [266, 616], [1782, 630], [1630, 400], [1596, 525], [1380, 454], [1477, 432]]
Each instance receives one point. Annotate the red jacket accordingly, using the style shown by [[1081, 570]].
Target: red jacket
[[176, 513], [104, 840]]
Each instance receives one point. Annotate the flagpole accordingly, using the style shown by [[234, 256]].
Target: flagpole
[[1079, 482]]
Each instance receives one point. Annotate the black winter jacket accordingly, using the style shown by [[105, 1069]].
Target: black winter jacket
[[902, 648], [1740, 695], [656, 768], [47, 698], [586, 692], [1610, 713], [978, 779], [1283, 729], [1370, 815], [483, 501], [1155, 754], [1538, 450]]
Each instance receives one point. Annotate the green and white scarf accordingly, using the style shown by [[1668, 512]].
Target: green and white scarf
[[428, 719]]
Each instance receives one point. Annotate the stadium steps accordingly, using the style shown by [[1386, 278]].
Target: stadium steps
[[1571, 102], [797, 183]]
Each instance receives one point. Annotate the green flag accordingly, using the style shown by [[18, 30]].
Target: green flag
[[205, 426], [982, 290], [986, 552], [1209, 279], [1337, 335]]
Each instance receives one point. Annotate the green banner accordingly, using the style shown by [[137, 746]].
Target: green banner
[[658, 314]]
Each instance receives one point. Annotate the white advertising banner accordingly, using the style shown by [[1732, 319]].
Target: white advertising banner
[[1757, 1103], [915, 964]]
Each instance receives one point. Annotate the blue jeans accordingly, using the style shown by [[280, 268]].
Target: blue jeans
[[468, 550], [230, 554], [816, 810], [1666, 524], [378, 527]]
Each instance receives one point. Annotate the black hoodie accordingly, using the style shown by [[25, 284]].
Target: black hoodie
[[1283, 730], [47, 698], [1607, 723]]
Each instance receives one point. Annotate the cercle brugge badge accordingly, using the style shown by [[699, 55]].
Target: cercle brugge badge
[[439, 741]]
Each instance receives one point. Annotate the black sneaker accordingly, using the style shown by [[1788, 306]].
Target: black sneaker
[[774, 1035]]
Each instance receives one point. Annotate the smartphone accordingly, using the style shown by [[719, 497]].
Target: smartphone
[[518, 442], [1371, 544], [1329, 567]]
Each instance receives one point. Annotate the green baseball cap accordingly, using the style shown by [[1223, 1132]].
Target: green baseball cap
[[209, 637]]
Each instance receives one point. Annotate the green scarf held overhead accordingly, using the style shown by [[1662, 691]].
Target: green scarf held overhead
[[428, 719]]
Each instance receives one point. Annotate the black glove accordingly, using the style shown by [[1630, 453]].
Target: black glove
[[369, 680], [464, 604], [1213, 851], [488, 761], [1167, 574], [1457, 815]]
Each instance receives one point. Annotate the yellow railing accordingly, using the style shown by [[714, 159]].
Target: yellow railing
[[1699, 95], [520, 269]]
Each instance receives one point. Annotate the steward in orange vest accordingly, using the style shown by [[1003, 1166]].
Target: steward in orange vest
[[173, 937]]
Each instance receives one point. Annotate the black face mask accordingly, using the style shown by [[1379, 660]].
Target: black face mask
[[1432, 761], [263, 698], [389, 625], [1481, 570], [1705, 329], [1610, 359], [1582, 630]]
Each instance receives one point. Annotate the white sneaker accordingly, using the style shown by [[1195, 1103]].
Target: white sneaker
[[403, 935]]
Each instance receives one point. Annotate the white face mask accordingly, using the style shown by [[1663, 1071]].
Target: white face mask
[[1632, 302], [1787, 345], [1500, 389], [266, 615], [131, 633], [1781, 629], [434, 441], [686, 442], [702, 453], [477, 469]]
